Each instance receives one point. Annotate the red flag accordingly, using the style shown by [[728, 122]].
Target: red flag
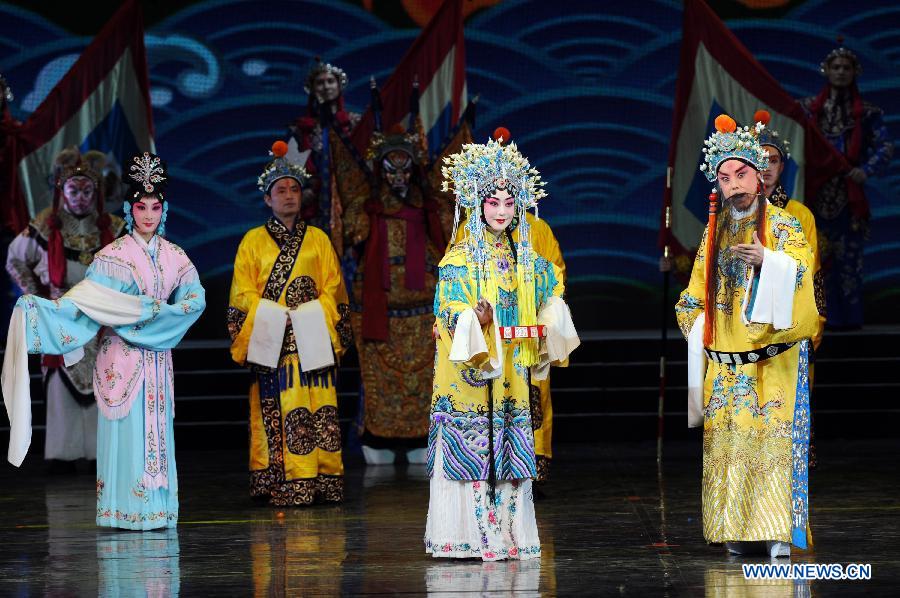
[[111, 71], [438, 58]]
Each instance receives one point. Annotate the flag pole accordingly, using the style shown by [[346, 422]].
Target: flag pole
[[664, 313]]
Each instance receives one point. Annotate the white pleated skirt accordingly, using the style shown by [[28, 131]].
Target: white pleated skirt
[[462, 523]]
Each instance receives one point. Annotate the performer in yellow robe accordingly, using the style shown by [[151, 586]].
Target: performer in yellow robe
[[545, 244], [492, 295], [778, 150], [288, 316], [749, 308]]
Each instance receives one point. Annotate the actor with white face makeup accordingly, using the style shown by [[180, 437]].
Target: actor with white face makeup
[[501, 320], [145, 293], [46, 260], [749, 310]]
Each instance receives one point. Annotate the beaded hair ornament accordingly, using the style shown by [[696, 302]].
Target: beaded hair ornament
[[769, 136], [841, 52], [147, 175], [6, 94], [396, 139], [729, 141], [320, 67], [280, 167], [473, 174]]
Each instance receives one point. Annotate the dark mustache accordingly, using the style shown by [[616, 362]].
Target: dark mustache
[[737, 196]]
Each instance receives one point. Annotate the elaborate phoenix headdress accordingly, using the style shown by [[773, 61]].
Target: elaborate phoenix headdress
[[474, 174]]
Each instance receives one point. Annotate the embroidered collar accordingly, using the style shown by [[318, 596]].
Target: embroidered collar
[[150, 247], [281, 234], [779, 198]]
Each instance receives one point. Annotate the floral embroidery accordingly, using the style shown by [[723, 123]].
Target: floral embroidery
[[111, 376], [65, 338], [31, 310], [186, 304], [100, 486], [135, 517], [140, 491]]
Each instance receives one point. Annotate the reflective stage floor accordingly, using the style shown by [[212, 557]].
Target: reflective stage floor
[[610, 523]]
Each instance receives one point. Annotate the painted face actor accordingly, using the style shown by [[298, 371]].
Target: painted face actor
[[749, 311]]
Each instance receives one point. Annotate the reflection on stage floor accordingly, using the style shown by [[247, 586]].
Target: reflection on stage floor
[[611, 523]]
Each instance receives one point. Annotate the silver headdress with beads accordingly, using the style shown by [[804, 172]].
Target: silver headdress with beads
[[281, 166], [729, 141], [147, 175], [841, 52], [769, 136], [320, 67], [476, 172], [6, 94]]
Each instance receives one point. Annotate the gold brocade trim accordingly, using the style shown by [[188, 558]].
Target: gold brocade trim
[[343, 326], [746, 491], [234, 321], [819, 292], [397, 377], [301, 290], [543, 469], [289, 245], [779, 198]]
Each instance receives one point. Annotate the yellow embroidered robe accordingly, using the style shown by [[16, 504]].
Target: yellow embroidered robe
[[545, 244], [808, 224], [460, 397], [756, 415], [295, 443]]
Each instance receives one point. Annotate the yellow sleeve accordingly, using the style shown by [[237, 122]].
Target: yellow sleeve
[[244, 297], [332, 293], [545, 243], [808, 224], [548, 281], [692, 301], [785, 234], [454, 295]]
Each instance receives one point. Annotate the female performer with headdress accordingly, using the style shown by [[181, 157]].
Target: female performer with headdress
[[144, 293], [501, 320]]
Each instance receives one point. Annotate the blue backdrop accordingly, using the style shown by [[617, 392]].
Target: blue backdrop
[[586, 92]]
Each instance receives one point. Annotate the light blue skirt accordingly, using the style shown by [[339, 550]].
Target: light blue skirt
[[122, 499]]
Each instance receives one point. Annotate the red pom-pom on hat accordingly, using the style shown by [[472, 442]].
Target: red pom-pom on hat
[[725, 124], [396, 129], [279, 149], [502, 134], [762, 116]]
